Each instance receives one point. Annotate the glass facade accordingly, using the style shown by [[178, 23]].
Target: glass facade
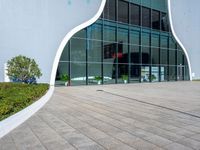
[[130, 41]]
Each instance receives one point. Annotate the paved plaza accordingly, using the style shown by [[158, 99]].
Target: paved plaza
[[152, 116]]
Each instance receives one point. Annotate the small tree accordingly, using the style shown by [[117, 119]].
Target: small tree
[[23, 69]]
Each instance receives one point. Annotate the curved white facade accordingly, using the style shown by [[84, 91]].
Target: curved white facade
[[185, 20], [36, 29]]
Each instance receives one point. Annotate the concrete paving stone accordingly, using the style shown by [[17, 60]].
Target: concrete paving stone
[[127, 138], [91, 147], [144, 145], [196, 137], [78, 139], [93, 133], [176, 146], [6, 143], [83, 118], [194, 144], [158, 140], [112, 144]]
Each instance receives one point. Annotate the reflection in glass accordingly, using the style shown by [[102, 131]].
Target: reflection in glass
[[109, 33], [146, 17], [122, 73], [154, 74], [145, 48], [172, 73], [109, 73], [94, 51], [163, 73], [78, 52], [135, 14], [145, 74], [110, 10], [155, 19], [122, 11], [172, 57], [94, 72], [134, 73], [78, 73], [164, 22], [111, 50]]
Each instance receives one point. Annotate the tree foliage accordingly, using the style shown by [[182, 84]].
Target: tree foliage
[[23, 69]]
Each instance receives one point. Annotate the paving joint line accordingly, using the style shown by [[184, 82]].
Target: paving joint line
[[152, 104]]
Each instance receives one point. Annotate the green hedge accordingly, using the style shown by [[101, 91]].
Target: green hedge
[[16, 96]]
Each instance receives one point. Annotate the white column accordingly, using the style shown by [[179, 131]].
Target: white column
[[6, 78]]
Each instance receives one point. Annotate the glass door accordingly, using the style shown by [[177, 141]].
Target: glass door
[[180, 72]]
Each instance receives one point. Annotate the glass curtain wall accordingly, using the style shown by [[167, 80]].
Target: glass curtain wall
[[131, 42]]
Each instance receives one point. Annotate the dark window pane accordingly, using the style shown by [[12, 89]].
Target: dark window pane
[[81, 34], [164, 42], [63, 68], [134, 73], [135, 14], [180, 57], [155, 20], [172, 57], [155, 56], [172, 73], [95, 32], [122, 72], [155, 40], [164, 22], [65, 53], [123, 11], [94, 51], [109, 73], [145, 17], [135, 38], [110, 10], [94, 70], [155, 49], [135, 54], [110, 52], [78, 50], [122, 35], [78, 73], [122, 54], [163, 73], [163, 56], [145, 48], [172, 44], [109, 33]]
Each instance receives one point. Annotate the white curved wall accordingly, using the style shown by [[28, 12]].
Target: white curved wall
[[185, 19], [36, 28]]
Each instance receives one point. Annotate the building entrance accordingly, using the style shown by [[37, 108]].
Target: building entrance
[[180, 72]]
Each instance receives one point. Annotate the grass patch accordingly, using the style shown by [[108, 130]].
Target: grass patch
[[16, 96]]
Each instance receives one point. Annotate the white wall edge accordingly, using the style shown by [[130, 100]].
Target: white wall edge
[[177, 39], [17, 119], [67, 38]]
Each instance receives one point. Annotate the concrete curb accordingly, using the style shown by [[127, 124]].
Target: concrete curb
[[17, 119]]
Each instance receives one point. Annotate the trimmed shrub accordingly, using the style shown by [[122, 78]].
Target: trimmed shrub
[[23, 69]]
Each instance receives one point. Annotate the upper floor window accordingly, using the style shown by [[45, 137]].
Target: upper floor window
[[135, 14], [155, 19], [164, 22], [123, 11], [110, 10], [146, 17]]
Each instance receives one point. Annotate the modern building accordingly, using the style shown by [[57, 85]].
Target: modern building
[[110, 40], [131, 38]]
